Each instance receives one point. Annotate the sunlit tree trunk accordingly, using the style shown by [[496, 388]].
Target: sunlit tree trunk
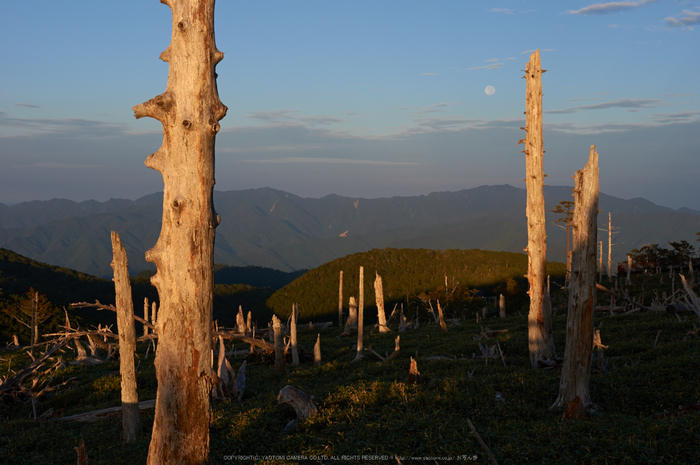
[[131, 423], [576, 371], [541, 341], [189, 110]]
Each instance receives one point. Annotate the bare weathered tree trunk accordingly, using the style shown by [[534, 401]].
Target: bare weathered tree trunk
[[541, 341], [379, 298], [189, 111], [600, 261], [628, 282], [146, 311], [317, 351], [609, 246], [280, 367], [576, 371], [33, 330], [293, 336], [131, 423], [340, 301], [360, 315], [502, 306]]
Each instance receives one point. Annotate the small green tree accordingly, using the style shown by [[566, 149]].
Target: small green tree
[[32, 310], [566, 208]]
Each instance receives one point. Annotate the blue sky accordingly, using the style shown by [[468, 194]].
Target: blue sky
[[360, 98]]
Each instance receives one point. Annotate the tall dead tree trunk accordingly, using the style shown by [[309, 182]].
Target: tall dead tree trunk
[[541, 341], [609, 246], [576, 371], [189, 111], [360, 316], [131, 423], [340, 301], [379, 298]]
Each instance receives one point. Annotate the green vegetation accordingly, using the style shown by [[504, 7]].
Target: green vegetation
[[60, 287], [369, 408], [413, 275]]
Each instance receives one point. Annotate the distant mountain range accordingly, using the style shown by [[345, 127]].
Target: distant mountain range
[[275, 229]]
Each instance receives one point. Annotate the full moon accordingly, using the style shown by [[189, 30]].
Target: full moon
[[490, 90]]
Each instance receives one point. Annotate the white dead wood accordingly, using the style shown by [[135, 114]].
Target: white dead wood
[[414, 376], [189, 111], [692, 295], [502, 306], [131, 423], [443, 326], [280, 367], [303, 404], [317, 351], [598, 344], [145, 315], [293, 336], [340, 300], [96, 415], [576, 370], [540, 338], [492, 459], [379, 298], [240, 321], [360, 316]]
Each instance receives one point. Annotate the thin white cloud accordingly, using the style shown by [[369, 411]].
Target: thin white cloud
[[504, 11], [491, 60], [491, 66], [55, 165], [26, 105], [619, 103], [428, 74], [332, 161], [287, 116], [437, 108], [610, 7], [685, 20]]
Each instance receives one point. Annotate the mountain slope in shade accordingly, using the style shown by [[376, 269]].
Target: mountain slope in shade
[[272, 228]]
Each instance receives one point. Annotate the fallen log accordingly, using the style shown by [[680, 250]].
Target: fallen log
[[96, 415]]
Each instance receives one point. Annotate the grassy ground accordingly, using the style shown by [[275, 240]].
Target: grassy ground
[[368, 408]]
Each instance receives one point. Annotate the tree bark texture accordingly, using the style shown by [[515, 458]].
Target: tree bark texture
[[131, 422], [541, 341], [379, 298], [576, 370], [340, 301], [189, 111], [280, 367], [293, 335], [361, 315]]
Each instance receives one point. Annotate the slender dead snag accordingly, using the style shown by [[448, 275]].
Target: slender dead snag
[[189, 111], [280, 367], [340, 300], [502, 306], [131, 423], [379, 298], [541, 340], [360, 316], [317, 351], [443, 326], [576, 370], [293, 335]]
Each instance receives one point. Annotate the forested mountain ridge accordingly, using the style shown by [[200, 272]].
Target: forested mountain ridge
[[276, 229]]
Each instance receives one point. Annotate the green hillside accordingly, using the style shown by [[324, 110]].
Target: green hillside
[[407, 274]]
